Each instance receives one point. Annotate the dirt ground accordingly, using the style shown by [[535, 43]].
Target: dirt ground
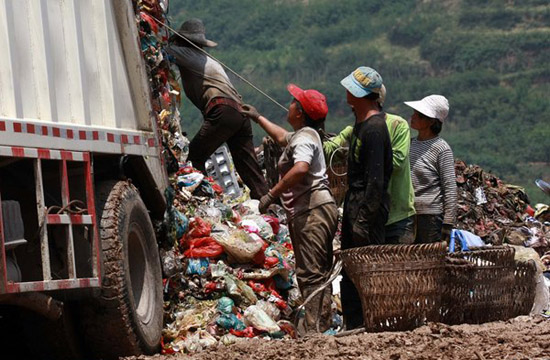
[[519, 338]]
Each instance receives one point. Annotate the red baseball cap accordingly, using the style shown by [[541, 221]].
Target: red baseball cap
[[313, 102]]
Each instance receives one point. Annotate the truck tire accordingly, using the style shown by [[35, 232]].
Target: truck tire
[[126, 319]]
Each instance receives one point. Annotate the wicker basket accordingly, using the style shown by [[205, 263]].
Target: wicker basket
[[525, 284], [478, 286], [399, 285]]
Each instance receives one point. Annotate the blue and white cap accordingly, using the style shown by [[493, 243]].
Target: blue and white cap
[[363, 81]]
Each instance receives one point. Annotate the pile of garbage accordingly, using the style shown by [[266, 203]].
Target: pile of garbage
[[498, 212], [229, 275]]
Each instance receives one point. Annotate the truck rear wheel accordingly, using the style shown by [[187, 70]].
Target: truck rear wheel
[[126, 319]]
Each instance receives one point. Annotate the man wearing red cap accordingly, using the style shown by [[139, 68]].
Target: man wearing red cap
[[305, 195]]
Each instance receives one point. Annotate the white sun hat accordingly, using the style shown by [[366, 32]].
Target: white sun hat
[[434, 106]]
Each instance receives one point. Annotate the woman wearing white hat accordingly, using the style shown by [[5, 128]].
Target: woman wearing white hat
[[432, 171]]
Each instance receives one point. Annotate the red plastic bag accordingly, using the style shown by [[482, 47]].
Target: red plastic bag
[[274, 222], [203, 247], [249, 332], [259, 258], [270, 261], [257, 287], [199, 228]]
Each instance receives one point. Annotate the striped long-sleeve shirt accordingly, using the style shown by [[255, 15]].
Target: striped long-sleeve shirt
[[433, 178]]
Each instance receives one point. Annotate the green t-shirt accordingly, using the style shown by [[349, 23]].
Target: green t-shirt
[[400, 187]]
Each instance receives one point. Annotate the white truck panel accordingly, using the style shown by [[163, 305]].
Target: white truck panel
[[75, 64], [66, 63]]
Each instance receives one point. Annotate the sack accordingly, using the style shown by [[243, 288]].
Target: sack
[[240, 246]]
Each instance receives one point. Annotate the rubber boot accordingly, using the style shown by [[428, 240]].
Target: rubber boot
[[318, 316]]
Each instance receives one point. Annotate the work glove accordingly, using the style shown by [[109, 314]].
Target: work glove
[[446, 232], [250, 112], [265, 201]]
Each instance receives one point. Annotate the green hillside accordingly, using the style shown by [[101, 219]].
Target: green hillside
[[488, 57]]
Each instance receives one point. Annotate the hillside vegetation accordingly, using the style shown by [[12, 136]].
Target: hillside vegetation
[[488, 57]]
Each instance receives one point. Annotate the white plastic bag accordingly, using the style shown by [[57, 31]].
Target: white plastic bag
[[254, 316], [240, 247]]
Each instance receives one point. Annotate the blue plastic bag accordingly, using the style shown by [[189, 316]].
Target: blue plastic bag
[[197, 266], [466, 238]]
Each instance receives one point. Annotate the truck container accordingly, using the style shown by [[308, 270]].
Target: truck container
[[82, 179]]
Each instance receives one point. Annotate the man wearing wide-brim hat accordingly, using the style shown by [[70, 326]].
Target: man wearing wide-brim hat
[[208, 87]]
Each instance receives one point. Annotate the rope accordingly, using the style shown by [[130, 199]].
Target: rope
[[222, 64], [332, 158]]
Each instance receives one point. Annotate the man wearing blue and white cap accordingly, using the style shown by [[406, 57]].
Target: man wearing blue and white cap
[[369, 169]]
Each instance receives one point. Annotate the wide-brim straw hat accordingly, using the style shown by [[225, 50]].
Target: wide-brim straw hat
[[194, 31]]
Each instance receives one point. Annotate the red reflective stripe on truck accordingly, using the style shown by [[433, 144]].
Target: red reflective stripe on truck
[[66, 155], [82, 135], [30, 128], [69, 134], [137, 140], [18, 151], [44, 153], [56, 132], [17, 127], [2, 126]]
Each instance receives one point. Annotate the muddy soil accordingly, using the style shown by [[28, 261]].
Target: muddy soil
[[519, 338]]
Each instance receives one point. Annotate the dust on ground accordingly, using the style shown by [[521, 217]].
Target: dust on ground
[[523, 337]]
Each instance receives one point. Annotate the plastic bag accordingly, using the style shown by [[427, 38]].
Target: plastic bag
[[225, 305], [240, 247], [256, 317], [274, 222], [239, 290], [257, 224], [524, 254], [218, 270], [190, 181], [283, 235], [230, 321], [204, 189], [181, 222], [171, 264], [205, 247], [210, 213], [197, 266], [466, 238], [199, 228], [198, 341], [270, 309]]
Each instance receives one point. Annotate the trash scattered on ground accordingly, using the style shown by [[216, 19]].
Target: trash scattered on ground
[[498, 212]]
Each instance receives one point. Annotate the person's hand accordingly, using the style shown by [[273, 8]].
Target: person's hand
[[250, 112], [446, 232], [265, 201]]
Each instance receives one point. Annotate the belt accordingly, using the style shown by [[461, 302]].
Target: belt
[[222, 101]]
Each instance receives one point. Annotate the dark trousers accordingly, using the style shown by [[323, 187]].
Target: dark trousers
[[225, 124], [312, 233], [351, 302], [428, 228], [401, 232]]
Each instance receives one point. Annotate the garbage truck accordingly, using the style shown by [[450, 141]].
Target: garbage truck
[[82, 181]]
